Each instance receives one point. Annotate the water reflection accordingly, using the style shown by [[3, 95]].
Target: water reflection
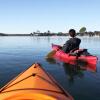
[[73, 71], [50, 60]]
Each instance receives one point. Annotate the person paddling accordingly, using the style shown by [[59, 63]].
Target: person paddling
[[70, 46], [73, 43]]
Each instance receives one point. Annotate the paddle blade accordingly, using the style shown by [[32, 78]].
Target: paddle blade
[[51, 54]]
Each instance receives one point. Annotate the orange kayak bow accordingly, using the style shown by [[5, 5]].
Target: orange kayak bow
[[34, 84]]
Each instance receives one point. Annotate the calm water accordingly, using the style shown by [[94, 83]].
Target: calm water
[[18, 53]]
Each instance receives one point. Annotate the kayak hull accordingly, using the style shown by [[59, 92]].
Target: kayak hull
[[34, 83], [66, 57]]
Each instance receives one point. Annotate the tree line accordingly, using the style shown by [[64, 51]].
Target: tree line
[[82, 32]]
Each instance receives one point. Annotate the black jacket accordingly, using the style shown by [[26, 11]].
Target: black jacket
[[71, 44]]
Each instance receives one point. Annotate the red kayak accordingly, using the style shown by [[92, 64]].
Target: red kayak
[[66, 57]]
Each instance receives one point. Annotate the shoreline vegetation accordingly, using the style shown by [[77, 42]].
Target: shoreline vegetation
[[82, 32], [95, 33]]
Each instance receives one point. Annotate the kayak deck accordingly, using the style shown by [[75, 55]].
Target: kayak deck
[[34, 83]]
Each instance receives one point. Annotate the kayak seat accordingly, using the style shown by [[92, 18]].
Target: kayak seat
[[80, 52]]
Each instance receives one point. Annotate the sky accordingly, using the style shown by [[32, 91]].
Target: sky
[[26, 16]]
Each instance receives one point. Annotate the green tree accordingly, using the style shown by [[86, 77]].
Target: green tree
[[82, 30]]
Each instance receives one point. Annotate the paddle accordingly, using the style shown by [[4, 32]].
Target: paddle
[[51, 54]]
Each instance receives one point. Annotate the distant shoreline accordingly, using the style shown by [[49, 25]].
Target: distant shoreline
[[96, 33], [3, 34]]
